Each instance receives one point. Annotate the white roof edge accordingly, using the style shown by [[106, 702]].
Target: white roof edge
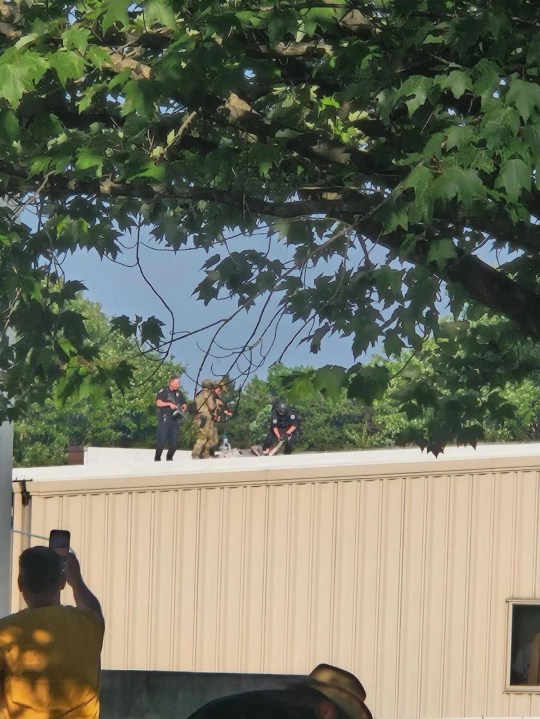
[[109, 462]]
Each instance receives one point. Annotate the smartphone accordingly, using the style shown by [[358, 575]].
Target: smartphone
[[59, 542]]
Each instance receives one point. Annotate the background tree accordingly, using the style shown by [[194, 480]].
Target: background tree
[[523, 423], [327, 423], [126, 418], [428, 389], [330, 421], [379, 157]]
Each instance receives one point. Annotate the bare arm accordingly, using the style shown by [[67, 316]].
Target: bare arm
[[84, 599]]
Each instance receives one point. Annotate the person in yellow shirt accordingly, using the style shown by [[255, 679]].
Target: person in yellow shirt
[[49, 653]]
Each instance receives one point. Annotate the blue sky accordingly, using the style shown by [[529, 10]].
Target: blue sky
[[121, 289]]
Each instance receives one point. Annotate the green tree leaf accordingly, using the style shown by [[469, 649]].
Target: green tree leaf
[[415, 90], [525, 96], [368, 383], [330, 380], [98, 56], [88, 159], [19, 73], [9, 126], [441, 251], [68, 65], [116, 13], [76, 38], [151, 331], [456, 183], [515, 176], [457, 81], [159, 12]]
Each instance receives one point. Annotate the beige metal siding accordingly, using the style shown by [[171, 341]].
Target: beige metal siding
[[402, 576]]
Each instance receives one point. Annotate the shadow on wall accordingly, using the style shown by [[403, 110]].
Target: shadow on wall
[[174, 695]]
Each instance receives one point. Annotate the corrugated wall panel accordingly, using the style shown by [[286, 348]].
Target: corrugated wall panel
[[255, 558], [389, 619], [323, 571], [346, 587], [412, 607], [163, 581], [453, 669], [276, 580], [47, 513], [480, 568], [524, 561], [208, 573], [525, 545], [116, 601], [368, 607], [184, 631], [231, 588], [435, 596], [139, 585], [503, 547], [534, 705], [300, 577], [402, 579], [93, 544]]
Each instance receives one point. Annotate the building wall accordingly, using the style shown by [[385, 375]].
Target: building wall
[[400, 574], [174, 695]]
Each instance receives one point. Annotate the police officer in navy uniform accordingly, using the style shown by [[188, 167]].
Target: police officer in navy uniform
[[283, 426], [171, 405]]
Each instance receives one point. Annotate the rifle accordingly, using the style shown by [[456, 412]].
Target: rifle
[[276, 449], [222, 412]]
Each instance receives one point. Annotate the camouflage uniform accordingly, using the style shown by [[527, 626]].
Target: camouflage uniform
[[205, 410]]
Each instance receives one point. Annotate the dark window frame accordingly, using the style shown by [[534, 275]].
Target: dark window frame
[[523, 637]]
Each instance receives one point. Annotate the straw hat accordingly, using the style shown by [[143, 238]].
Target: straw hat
[[342, 688]]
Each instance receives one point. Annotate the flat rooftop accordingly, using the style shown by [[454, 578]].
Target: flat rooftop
[[104, 462]]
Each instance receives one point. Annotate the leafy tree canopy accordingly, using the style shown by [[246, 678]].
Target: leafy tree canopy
[[381, 156], [125, 418]]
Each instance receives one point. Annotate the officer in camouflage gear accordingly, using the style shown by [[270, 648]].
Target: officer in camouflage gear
[[206, 407]]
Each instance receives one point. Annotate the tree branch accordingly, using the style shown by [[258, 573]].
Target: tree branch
[[485, 284]]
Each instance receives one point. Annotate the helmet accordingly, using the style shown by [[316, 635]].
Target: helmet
[[281, 407], [208, 384]]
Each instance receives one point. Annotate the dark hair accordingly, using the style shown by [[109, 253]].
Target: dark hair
[[40, 570]]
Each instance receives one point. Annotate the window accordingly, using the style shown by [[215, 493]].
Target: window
[[524, 631]]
